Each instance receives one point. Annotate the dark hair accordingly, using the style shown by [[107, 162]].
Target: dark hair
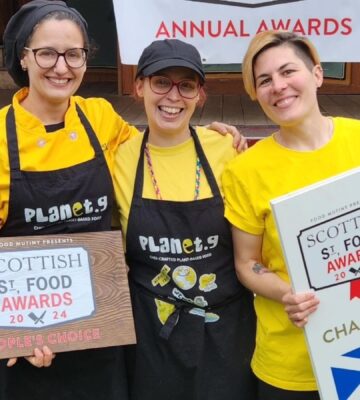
[[23, 23], [62, 15]]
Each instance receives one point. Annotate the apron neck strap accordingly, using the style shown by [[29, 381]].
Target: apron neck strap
[[90, 132], [13, 147], [139, 178], [205, 164]]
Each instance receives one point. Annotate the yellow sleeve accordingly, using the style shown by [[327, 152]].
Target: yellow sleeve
[[60, 151], [126, 160], [239, 204], [110, 128], [106, 122]]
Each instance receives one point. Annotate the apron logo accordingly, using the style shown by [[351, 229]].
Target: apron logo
[[79, 210], [165, 245]]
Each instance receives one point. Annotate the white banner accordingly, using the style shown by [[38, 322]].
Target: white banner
[[221, 29]]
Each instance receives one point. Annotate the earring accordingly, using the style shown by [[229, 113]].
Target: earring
[[24, 68]]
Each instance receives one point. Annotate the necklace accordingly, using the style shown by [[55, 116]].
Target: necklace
[[155, 183]]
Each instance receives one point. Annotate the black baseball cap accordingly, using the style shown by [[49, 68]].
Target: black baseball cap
[[167, 53]]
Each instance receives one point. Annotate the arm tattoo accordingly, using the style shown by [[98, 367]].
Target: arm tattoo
[[259, 269]]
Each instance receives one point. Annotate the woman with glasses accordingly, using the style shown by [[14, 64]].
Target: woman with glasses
[[60, 150], [56, 149], [194, 321]]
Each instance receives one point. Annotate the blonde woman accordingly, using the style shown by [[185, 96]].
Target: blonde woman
[[282, 71]]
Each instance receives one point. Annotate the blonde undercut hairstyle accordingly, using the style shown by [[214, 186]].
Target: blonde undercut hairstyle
[[268, 39]]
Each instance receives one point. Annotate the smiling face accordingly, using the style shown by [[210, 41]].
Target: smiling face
[[285, 86], [168, 114], [53, 85]]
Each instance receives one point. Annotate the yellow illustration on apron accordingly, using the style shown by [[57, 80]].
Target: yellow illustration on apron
[[207, 282], [162, 278], [184, 277], [164, 310]]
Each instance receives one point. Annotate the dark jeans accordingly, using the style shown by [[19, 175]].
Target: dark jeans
[[268, 392]]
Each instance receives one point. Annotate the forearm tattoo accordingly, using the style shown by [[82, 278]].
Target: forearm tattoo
[[259, 269]]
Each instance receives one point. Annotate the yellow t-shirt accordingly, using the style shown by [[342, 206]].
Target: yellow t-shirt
[[42, 151], [264, 172], [174, 168]]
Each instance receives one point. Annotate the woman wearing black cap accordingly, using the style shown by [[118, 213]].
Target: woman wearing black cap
[[195, 323], [59, 149]]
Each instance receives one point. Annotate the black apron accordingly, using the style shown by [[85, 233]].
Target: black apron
[[180, 256], [35, 204]]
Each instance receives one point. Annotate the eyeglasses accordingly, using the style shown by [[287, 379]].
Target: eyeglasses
[[187, 88], [46, 57]]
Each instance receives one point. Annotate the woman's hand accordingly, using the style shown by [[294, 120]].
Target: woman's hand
[[299, 306], [41, 358], [239, 141]]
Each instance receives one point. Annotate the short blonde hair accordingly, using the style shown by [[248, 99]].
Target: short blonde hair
[[268, 39]]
